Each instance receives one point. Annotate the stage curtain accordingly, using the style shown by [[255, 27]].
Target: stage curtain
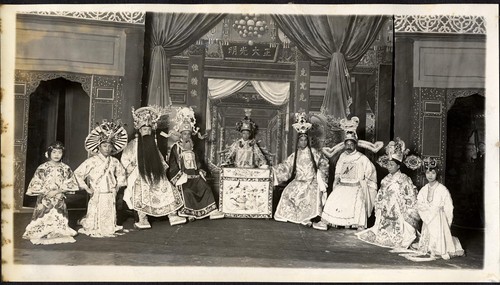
[[171, 33], [221, 88], [336, 42], [276, 93]]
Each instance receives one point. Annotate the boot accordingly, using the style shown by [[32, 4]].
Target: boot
[[143, 221], [176, 220], [215, 215], [321, 225]]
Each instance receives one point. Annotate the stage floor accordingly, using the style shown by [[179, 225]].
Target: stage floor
[[232, 243]]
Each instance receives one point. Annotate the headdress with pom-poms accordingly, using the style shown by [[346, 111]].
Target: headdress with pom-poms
[[147, 116], [430, 163], [301, 125], [349, 127], [107, 131], [185, 120], [396, 150], [246, 124]]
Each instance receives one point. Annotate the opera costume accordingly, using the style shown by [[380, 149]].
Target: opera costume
[[149, 192], [245, 152], [396, 201], [51, 181], [304, 196], [185, 172], [101, 176], [355, 186], [435, 208]]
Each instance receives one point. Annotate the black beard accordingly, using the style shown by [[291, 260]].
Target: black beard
[[149, 160]]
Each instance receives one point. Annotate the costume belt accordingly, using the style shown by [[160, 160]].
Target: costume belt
[[349, 184], [193, 176]]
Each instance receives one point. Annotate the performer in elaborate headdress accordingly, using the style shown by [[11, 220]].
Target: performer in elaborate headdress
[[396, 202], [304, 197], [185, 172], [149, 192], [245, 153], [435, 208], [105, 175], [354, 187], [51, 181]]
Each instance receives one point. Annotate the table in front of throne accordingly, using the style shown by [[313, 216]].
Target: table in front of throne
[[246, 192]]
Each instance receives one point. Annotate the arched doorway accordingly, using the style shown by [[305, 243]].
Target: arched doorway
[[59, 110], [465, 160]]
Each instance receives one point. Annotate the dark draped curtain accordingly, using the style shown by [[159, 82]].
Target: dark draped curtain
[[170, 34], [336, 42]]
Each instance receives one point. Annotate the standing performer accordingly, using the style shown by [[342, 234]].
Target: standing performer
[[355, 185], [186, 174], [148, 190], [52, 179], [304, 197], [245, 153], [105, 175]]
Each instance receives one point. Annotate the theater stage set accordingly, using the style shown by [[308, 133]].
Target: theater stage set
[[414, 77]]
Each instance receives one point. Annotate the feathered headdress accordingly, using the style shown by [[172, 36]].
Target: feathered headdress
[[110, 132], [396, 150], [301, 124], [147, 116], [349, 127]]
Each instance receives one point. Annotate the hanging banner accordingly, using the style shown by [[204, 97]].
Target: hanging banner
[[255, 52]]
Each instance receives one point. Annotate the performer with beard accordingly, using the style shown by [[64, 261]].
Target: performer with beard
[[149, 192], [186, 174]]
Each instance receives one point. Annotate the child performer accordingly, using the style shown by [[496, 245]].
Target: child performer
[[435, 207], [52, 179], [105, 175]]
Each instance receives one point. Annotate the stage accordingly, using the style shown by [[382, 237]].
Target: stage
[[232, 243]]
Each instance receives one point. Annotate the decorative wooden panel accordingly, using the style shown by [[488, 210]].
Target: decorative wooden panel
[[431, 136], [449, 64], [47, 45]]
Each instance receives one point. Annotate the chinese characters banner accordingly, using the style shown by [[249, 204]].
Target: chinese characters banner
[[195, 81], [254, 52], [302, 86]]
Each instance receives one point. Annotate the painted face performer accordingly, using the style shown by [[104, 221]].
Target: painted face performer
[[435, 207], [149, 192], [185, 171], [304, 197], [355, 185], [52, 179], [396, 202], [105, 175], [245, 153]]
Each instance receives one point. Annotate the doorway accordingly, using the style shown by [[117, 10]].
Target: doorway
[[465, 160], [268, 117], [59, 110]]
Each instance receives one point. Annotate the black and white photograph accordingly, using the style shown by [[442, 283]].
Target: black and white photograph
[[250, 142]]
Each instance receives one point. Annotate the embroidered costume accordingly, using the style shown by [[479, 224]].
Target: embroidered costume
[[49, 223], [105, 175], [304, 197], [144, 194]]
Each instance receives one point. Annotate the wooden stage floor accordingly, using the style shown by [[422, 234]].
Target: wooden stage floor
[[232, 243]]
